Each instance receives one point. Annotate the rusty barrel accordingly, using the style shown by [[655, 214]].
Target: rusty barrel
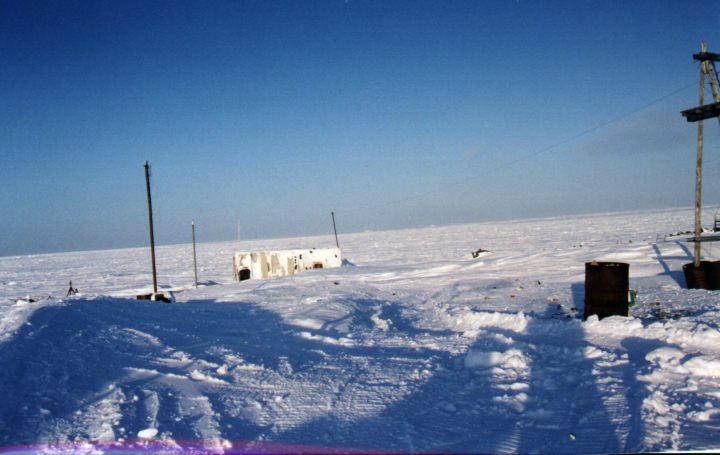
[[696, 277], [707, 276], [712, 274], [606, 288]]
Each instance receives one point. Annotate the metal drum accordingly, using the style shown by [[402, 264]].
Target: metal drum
[[695, 277], [712, 274], [606, 288]]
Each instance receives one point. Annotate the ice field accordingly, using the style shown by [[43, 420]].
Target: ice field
[[412, 346]]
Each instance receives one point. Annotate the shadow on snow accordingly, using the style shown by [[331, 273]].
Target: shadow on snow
[[62, 362], [68, 359], [676, 275], [553, 406]]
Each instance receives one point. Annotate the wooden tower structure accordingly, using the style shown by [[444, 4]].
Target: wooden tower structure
[[699, 114]]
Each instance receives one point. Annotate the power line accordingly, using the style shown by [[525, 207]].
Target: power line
[[536, 153]]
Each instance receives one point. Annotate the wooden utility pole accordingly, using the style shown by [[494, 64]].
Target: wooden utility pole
[[194, 254], [699, 114], [150, 218], [337, 244], [698, 166]]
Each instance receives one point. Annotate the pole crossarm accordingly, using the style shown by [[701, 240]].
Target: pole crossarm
[[703, 112], [707, 57]]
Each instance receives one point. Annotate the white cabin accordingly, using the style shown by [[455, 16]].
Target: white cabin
[[267, 264]]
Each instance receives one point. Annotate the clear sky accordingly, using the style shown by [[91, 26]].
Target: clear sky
[[390, 113]]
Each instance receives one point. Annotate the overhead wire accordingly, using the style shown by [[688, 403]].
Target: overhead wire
[[536, 153]]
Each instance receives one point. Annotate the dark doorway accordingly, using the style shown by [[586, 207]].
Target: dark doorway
[[317, 265], [244, 275]]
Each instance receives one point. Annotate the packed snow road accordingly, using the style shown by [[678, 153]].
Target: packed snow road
[[415, 346]]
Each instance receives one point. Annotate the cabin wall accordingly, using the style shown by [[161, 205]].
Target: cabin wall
[[267, 264]]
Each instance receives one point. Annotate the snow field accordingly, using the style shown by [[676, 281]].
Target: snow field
[[417, 346]]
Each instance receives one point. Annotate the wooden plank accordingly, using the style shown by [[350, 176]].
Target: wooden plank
[[707, 238], [707, 57], [702, 112]]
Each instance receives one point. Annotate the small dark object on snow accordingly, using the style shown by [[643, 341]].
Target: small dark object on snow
[[477, 253], [336, 283], [154, 297], [71, 291], [539, 283]]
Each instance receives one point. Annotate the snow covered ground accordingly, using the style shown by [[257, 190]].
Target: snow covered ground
[[415, 346]]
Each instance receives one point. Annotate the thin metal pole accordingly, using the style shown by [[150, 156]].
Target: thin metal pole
[[150, 217], [698, 167], [194, 255], [335, 230]]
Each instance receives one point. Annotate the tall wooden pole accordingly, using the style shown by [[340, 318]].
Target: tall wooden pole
[[150, 217], [337, 244], [194, 255], [698, 167]]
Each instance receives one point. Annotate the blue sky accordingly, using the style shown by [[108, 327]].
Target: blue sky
[[390, 113]]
